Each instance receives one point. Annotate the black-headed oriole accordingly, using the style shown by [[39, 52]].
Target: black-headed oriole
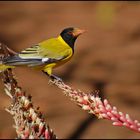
[[46, 55]]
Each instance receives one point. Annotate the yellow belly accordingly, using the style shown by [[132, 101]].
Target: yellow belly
[[48, 68], [63, 61]]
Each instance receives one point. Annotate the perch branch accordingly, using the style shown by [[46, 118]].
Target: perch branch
[[92, 103]]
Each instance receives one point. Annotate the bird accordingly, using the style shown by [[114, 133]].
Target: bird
[[46, 55]]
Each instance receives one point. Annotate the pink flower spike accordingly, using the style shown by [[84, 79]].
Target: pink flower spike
[[115, 113], [108, 107], [92, 98], [129, 119], [26, 102], [31, 111], [34, 116], [110, 114], [122, 119], [114, 108], [85, 102], [47, 135], [41, 125], [133, 127], [26, 133], [22, 136], [85, 97], [101, 106], [80, 99], [105, 116], [114, 119], [102, 110], [121, 114], [105, 102], [85, 107], [98, 101], [136, 122], [27, 119], [97, 110], [126, 124], [38, 120], [117, 123], [31, 137]]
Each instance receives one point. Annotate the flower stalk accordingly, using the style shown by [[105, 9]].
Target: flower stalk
[[92, 103], [29, 121]]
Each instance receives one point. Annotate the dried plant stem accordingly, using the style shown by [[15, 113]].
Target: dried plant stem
[[94, 105], [29, 121]]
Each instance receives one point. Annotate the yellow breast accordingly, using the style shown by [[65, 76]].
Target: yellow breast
[[65, 51], [63, 61]]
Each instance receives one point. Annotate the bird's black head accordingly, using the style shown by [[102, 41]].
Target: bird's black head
[[70, 34]]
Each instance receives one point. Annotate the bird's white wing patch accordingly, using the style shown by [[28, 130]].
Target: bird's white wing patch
[[45, 59]]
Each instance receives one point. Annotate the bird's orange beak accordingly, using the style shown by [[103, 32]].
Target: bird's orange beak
[[78, 32]]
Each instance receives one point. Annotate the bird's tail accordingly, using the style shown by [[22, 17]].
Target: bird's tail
[[3, 60], [3, 67]]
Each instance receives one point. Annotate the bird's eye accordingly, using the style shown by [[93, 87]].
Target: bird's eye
[[70, 32]]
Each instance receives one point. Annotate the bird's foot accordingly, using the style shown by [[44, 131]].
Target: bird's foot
[[54, 77]]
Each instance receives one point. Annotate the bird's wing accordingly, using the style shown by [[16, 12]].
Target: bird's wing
[[45, 52]]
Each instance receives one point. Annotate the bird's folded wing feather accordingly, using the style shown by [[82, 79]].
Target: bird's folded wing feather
[[46, 52]]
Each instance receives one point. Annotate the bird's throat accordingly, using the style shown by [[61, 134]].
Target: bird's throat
[[68, 41], [62, 40]]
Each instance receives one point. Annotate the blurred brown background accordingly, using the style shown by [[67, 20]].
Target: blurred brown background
[[106, 58]]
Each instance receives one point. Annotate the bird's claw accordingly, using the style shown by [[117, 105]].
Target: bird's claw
[[53, 77]]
